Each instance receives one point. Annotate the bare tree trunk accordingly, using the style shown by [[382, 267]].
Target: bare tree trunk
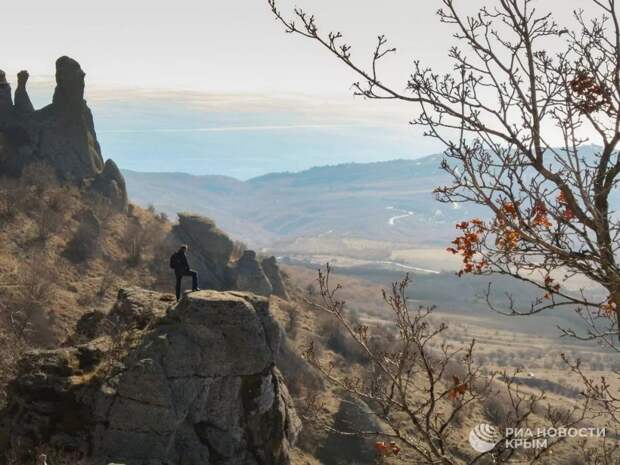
[[614, 300]]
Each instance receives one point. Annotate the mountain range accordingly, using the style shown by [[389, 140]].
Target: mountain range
[[388, 201]]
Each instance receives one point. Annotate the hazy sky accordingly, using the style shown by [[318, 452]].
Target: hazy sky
[[234, 55], [228, 45]]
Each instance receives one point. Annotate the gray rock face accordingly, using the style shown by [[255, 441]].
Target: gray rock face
[[61, 135], [67, 138], [270, 267], [111, 184], [198, 386], [136, 307], [23, 105], [247, 274], [209, 249], [69, 92], [6, 102]]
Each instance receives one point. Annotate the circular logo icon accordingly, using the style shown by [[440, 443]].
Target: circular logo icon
[[483, 438]]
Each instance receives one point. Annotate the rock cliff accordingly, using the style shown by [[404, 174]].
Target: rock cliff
[[193, 383], [271, 269], [210, 249], [248, 274], [211, 253], [62, 134]]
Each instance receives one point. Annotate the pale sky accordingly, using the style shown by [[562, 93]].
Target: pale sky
[[231, 59], [223, 46]]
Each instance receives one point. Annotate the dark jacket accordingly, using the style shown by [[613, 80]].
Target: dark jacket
[[181, 265]]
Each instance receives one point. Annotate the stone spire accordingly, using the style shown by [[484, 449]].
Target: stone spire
[[69, 91], [6, 102], [68, 139], [23, 105], [61, 135]]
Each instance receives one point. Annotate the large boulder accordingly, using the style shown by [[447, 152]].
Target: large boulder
[[211, 255], [135, 308], [111, 184], [209, 249], [271, 269], [198, 385], [6, 101], [247, 274]]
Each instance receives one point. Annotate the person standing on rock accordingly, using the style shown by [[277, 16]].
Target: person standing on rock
[[180, 265]]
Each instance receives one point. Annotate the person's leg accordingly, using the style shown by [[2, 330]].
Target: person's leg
[[178, 287], [194, 280]]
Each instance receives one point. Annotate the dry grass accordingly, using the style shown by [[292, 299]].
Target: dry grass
[[43, 294], [538, 358], [47, 270]]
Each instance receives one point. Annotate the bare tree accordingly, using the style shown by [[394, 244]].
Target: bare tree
[[530, 119], [419, 386], [524, 99]]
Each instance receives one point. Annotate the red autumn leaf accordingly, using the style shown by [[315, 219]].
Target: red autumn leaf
[[458, 390]]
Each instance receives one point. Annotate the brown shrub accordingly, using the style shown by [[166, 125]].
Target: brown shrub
[[86, 242], [141, 238], [12, 349], [497, 410], [106, 283], [336, 339], [48, 221], [36, 284]]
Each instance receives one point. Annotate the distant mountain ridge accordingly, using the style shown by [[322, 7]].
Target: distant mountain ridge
[[390, 200], [398, 168]]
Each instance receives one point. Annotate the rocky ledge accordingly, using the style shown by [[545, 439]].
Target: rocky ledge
[[190, 383]]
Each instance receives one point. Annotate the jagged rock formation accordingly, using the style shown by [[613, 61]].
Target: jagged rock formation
[[210, 252], [248, 274], [23, 105], [61, 135], [270, 267], [197, 386], [6, 101], [111, 184], [134, 308], [209, 246]]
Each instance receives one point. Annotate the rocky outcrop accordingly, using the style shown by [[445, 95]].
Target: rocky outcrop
[[271, 269], [135, 308], [210, 252], [61, 135], [111, 184], [6, 101], [209, 247], [23, 105], [197, 385], [66, 135], [247, 274]]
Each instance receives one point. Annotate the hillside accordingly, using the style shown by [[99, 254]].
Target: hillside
[[389, 201], [79, 264], [384, 201], [101, 364]]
